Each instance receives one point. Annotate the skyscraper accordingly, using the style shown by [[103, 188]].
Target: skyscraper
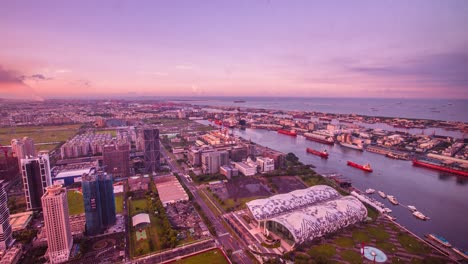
[[99, 202], [36, 177], [5, 228], [116, 159], [151, 150], [92, 204], [57, 225], [23, 148]]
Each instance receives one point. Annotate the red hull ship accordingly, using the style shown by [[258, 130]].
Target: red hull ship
[[287, 132], [322, 154], [431, 165], [366, 167]]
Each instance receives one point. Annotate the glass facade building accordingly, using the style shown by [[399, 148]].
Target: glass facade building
[[99, 202]]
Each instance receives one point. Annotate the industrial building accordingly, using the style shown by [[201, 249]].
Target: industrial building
[[170, 190], [245, 168], [303, 215]]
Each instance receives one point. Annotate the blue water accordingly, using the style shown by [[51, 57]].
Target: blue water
[[446, 109]]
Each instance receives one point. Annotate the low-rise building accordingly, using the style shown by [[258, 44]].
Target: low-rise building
[[245, 168], [229, 171], [265, 164]]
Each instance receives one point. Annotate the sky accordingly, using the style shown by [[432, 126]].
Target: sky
[[384, 49]]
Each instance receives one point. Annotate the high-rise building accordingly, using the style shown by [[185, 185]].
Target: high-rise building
[[152, 153], [5, 228], [99, 202], [57, 224], [106, 191], [36, 177], [23, 148], [211, 161], [92, 204], [116, 159]]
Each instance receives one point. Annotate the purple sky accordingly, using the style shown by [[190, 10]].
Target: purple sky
[[403, 49]]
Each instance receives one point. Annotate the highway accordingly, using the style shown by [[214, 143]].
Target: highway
[[223, 237]]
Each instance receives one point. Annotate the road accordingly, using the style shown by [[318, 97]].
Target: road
[[226, 240]]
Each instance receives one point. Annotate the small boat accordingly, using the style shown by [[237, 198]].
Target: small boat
[[420, 215], [392, 199], [387, 210], [370, 191], [439, 239], [382, 194], [412, 208], [391, 217]]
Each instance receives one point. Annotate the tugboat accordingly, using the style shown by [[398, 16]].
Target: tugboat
[[382, 194], [365, 167], [323, 154], [392, 199]]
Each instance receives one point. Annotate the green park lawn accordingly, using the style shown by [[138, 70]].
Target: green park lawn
[[214, 256], [40, 134], [75, 202], [119, 203]]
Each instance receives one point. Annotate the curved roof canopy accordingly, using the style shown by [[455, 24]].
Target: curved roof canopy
[[317, 220], [140, 219], [263, 209]]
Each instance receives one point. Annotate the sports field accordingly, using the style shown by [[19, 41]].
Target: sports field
[[141, 235]]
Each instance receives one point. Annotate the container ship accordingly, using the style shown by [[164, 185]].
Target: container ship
[[365, 167], [322, 154], [320, 137], [287, 132], [439, 239], [437, 165], [352, 146]]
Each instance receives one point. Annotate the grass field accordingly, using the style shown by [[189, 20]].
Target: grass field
[[119, 203], [40, 134], [75, 202], [214, 256]]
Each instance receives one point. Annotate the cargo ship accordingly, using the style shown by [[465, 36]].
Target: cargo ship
[[320, 137], [322, 154], [365, 167], [352, 146], [287, 132], [439, 239], [437, 165], [239, 101]]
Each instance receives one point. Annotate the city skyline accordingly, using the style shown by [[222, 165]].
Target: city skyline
[[264, 48]]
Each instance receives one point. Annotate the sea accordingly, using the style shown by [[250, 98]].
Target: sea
[[435, 109], [441, 196]]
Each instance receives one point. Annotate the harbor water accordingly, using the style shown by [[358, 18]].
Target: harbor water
[[441, 196]]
